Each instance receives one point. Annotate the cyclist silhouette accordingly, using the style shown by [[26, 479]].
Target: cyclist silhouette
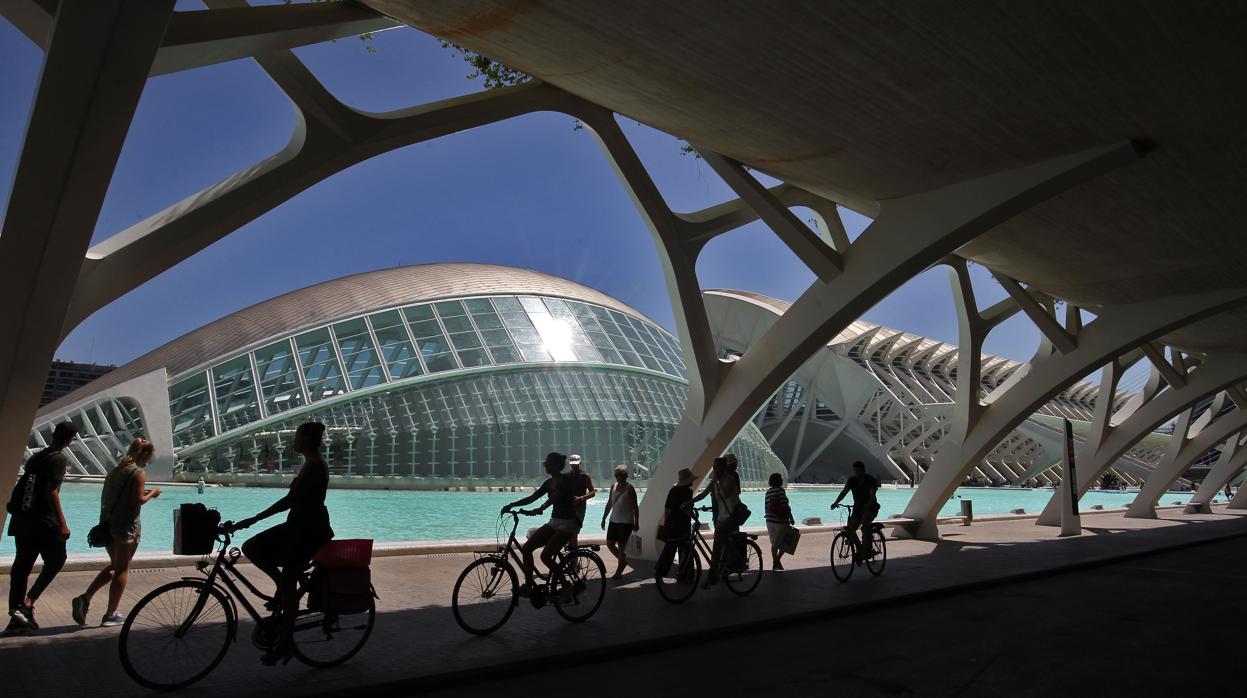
[[865, 505], [285, 550]]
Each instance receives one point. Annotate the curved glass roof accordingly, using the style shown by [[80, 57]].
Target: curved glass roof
[[407, 343]]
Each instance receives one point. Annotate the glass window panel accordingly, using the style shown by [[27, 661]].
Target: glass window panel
[[557, 307], [416, 313], [320, 364], [496, 338], [505, 355], [534, 352], [555, 335], [651, 363], [507, 303], [487, 321], [236, 402], [478, 306], [526, 336], [437, 354], [587, 354], [610, 356], [432, 344], [532, 305], [396, 348], [465, 340], [516, 320], [474, 357], [449, 308], [363, 367], [188, 407], [457, 323], [631, 359], [279, 377]]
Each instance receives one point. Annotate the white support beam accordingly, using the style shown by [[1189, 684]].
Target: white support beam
[[814, 252], [1168, 471], [97, 61], [1060, 337], [1233, 458], [907, 236], [1136, 422], [1167, 370], [1115, 331]]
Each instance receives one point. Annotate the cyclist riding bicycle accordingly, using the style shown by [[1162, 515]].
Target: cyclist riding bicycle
[[285, 550], [865, 506], [564, 521]]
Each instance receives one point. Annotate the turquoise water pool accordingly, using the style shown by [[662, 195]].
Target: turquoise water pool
[[419, 516]]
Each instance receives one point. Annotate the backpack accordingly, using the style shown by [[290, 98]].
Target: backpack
[[14, 506], [22, 499]]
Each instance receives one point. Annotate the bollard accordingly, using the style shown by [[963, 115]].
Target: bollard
[[811, 521], [967, 512]]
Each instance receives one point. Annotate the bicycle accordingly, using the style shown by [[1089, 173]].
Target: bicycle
[[180, 632], [742, 565], [487, 591], [844, 553]]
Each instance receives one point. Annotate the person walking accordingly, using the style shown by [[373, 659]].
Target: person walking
[[778, 517], [625, 518], [38, 526], [284, 551], [124, 494]]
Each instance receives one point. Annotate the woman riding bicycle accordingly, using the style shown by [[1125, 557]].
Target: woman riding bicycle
[[724, 492], [285, 550], [564, 522]]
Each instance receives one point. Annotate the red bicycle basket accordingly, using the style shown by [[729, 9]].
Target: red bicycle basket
[[352, 552]]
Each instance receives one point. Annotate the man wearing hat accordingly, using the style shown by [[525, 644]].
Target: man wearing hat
[[582, 490]]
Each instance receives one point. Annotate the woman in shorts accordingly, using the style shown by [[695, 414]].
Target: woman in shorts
[[625, 518], [564, 522], [778, 517]]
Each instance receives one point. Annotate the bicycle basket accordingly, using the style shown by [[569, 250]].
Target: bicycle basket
[[351, 552]]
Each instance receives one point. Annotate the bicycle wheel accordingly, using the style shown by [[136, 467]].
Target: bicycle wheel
[[680, 582], [842, 557], [176, 635], [879, 557], [328, 638], [581, 586], [485, 595], [743, 575]]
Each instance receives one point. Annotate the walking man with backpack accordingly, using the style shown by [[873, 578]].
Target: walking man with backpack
[[37, 524]]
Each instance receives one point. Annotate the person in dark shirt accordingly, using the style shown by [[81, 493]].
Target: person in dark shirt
[[564, 524], [284, 551], [38, 526], [865, 504], [677, 522], [582, 491]]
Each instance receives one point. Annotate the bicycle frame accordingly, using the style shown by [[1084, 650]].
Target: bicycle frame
[[224, 572]]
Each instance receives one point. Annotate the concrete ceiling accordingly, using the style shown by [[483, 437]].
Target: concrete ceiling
[[868, 101]]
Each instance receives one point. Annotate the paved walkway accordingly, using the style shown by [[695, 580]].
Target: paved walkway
[[418, 645]]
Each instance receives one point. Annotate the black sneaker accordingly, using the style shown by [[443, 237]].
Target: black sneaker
[[14, 628], [23, 616]]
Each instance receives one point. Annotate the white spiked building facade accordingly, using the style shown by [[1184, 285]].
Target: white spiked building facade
[[885, 397]]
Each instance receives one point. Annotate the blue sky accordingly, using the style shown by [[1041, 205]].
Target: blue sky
[[531, 192]]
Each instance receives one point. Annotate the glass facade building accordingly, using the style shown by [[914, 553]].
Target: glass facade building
[[456, 389]]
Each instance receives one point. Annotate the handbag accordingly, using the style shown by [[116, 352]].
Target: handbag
[[788, 541], [740, 514], [100, 535]]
